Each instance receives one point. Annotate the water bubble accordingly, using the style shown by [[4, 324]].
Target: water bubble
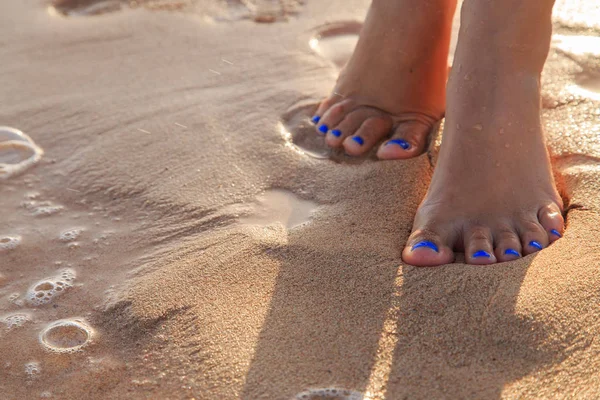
[[41, 208], [478, 127], [329, 394], [45, 290], [14, 298], [15, 320], [32, 369], [70, 235], [66, 336], [9, 242], [32, 195], [46, 211], [18, 152]]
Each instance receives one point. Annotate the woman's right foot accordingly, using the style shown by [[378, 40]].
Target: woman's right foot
[[394, 82]]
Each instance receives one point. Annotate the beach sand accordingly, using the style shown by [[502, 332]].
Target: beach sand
[[207, 246]]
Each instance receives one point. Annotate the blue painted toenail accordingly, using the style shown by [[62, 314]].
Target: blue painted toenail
[[358, 140], [535, 244], [511, 252], [481, 253], [400, 142], [315, 119], [425, 243], [555, 232], [336, 133], [323, 128]]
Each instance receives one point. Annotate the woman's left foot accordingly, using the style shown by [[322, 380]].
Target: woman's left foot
[[492, 194]]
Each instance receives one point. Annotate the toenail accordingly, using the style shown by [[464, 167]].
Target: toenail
[[336, 133], [400, 142], [482, 253], [535, 244], [511, 252], [555, 232], [425, 243], [323, 128], [315, 119], [358, 140]]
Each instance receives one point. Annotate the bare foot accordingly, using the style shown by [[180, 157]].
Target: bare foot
[[492, 194], [394, 82]]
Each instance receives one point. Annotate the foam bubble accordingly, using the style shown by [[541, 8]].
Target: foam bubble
[[329, 394], [15, 320], [70, 235], [9, 242], [66, 336], [41, 208], [18, 152], [47, 289], [14, 298], [32, 369], [46, 210], [73, 245]]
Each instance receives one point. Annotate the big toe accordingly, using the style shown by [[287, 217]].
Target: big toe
[[408, 141], [552, 220], [426, 250]]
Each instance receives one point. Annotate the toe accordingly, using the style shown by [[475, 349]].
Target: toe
[[508, 245], [348, 126], [478, 246], [533, 237], [370, 132], [426, 249], [409, 140], [323, 107], [334, 115], [552, 221]]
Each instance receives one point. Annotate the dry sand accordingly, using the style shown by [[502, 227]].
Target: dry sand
[[162, 130]]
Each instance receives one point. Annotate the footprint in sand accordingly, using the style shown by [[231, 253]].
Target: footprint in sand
[[335, 42], [299, 135], [585, 50], [18, 152], [278, 205], [329, 394], [262, 11], [83, 7], [66, 336]]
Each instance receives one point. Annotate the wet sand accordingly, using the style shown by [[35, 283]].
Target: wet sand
[[186, 235]]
